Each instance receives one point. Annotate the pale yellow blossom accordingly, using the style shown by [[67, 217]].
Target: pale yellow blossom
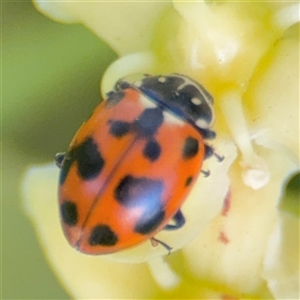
[[237, 243]]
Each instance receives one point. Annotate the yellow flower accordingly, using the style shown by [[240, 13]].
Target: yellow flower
[[234, 244]]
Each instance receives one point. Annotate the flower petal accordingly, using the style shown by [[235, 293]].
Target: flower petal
[[136, 63], [225, 40], [273, 97], [126, 26], [281, 264], [232, 249]]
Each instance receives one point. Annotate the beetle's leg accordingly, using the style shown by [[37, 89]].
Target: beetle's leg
[[59, 157], [179, 221], [205, 173], [209, 151], [155, 241], [122, 85]]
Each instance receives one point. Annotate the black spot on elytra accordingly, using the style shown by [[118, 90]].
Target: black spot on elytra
[[188, 181], [119, 128], [114, 98], [190, 148], [102, 235], [139, 192], [149, 221], [89, 160], [68, 212], [152, 150], [149, 121]]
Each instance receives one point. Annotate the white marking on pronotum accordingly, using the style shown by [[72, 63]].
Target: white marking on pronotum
[[171, 118], [138, 83], [183, 84], [196, 101], [201, 123], [146, 102], [162, 79], [206, 98]]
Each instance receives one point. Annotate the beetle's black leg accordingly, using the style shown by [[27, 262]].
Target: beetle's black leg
[[218, 157], [209, 151], [155, 241], [207, 134], [179, 221], [59, 157], [110, 93], [205, 173], [122, 85]]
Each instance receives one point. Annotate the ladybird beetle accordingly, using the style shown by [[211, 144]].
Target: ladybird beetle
[[131, 165]]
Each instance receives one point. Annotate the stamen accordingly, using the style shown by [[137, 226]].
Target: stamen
[[162, 273], [256, 173]]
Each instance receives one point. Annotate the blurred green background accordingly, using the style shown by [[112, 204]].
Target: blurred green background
[[50, 74]]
